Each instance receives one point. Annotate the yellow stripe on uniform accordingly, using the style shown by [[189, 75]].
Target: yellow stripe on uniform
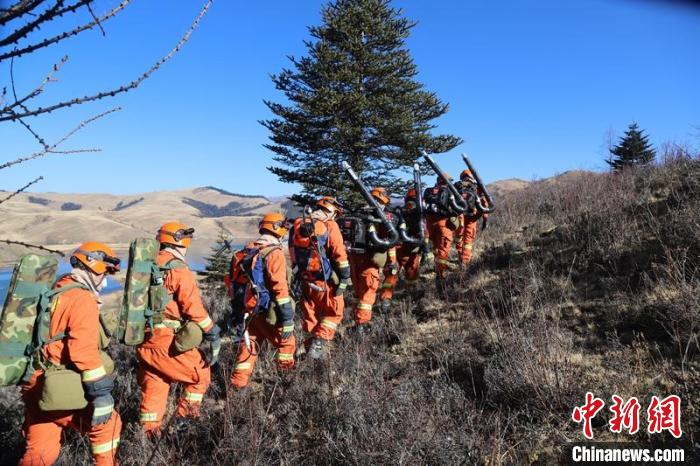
[[328, 324], [343, 264], [392, 252], [364, 306], [242, 366], [102, 448], [281, 301], [148, 417], [386, 286], [288, 328], [468, 246], [194, 397], [206, 323], [102, 410], [94, 374], [442, 261], [169, 323], [285, 357]]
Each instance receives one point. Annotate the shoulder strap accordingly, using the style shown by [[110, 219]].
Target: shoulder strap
[[173, 264]]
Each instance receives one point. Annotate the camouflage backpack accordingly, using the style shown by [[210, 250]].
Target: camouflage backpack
[[26, 315], [145, 295]]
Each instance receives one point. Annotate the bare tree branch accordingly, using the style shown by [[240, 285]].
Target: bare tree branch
[[96, 20], [51, 148], [17, 10], [47, 15], [38, 90], [64, 35], [35, 246], [134, 84], [21, 189]]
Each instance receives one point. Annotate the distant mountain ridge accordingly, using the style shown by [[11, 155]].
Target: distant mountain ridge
[[63, 220]]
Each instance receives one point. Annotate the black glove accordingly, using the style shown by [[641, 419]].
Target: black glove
[[213, 336], [286, 313], [99, 394], [344, 275], [484, 222]]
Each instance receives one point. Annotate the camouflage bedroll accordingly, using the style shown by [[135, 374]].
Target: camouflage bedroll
[[135, 307], [32, 277]]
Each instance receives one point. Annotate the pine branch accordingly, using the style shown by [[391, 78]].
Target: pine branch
[[51, 148], [34, 246], [134, 84], [22, 189], [64, 35]]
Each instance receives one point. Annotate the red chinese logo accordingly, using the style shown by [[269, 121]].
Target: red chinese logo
[[626, 416], [665, 415], [661, 415], [587, 412]]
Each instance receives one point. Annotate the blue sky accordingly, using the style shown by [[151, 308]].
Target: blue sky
[[533, 88]]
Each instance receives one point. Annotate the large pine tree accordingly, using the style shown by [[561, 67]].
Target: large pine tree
[[353, 98], [633, 149]]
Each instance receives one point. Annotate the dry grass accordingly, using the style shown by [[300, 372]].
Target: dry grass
[[589, 284]]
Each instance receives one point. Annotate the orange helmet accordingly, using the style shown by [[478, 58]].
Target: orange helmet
[[97, 257], [330, 204], [175, 234], [380, 195], [411, 194], [467, 175], [274, 223]]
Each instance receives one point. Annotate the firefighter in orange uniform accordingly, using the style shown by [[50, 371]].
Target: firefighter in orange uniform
[[160, 365], [441, 222], [268, 313], [74, 342], [366, 268], [466, 233], [318, 254], [406, 256]]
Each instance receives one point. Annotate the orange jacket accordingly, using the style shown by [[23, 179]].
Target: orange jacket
[[336, 246], [276, 271], [187, 302], [76, 313]]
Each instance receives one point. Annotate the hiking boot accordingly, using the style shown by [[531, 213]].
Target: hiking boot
[[182, 424], [359, 330], [316, 349], [385, 305], [441, 287]]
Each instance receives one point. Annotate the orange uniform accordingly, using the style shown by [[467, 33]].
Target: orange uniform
[[159, 365], [259, 329], [322, 311], [406, 257], [441, 233], [466, 233], [75, 312], [365, 280]]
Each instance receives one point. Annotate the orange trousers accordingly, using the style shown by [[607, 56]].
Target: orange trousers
[[159, 367], [441, 234], [321, 311], [466, 234], [259, 331], [408, 258], [365, 282], [43, 430]]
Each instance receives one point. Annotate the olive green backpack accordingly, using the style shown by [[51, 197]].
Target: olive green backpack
[[26, 316], [145, 295]]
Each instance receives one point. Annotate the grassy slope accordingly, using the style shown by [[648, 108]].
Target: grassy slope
[[587, 284]]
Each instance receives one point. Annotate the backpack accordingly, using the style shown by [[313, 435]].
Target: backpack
[[247, 280], [354, 233], [307, 247], [26, 317], [145, 296]]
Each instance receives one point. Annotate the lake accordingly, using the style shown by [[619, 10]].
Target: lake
[[113, 285]]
